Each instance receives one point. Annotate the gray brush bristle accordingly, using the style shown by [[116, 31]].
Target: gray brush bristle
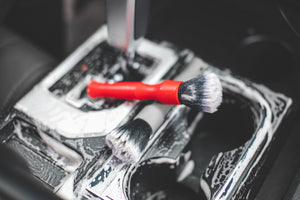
[[203, 93], [129, 140]]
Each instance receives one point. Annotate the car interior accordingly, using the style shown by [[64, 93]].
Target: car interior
[[54, 135]]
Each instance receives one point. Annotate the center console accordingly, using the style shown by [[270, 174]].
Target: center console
[[60, 131]]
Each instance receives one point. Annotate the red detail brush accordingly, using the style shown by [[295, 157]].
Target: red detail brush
[[165, 92], [203, 93]]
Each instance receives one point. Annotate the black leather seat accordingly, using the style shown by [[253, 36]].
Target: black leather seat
[[16, 182], [22, 65]]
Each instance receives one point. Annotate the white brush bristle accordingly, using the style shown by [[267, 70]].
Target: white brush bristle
[[212, 93], [203, 93], [127, 142], [122, 148]]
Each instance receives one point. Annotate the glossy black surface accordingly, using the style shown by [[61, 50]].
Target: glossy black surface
[[219, 32]]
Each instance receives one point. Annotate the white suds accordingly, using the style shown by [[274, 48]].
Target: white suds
[[187, 170], [122, 147], [66, 189], [65, 157], [212, 93], [159, 195], [205, 188]]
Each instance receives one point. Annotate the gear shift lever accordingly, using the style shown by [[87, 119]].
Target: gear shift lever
[[127, 22]]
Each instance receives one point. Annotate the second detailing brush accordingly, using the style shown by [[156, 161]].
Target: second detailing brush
[[203, 93], [129, 140]]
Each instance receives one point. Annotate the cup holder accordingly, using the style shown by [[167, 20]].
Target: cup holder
[[222, 152], [261, 57], [155, 179], [227, 129]]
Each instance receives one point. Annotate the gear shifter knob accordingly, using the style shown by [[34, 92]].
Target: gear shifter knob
[[127, 22]]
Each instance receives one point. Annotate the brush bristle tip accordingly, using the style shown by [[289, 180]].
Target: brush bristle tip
[[127, 141], [203, 93]]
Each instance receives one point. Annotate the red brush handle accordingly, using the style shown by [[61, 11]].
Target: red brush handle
[[166, 92]]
